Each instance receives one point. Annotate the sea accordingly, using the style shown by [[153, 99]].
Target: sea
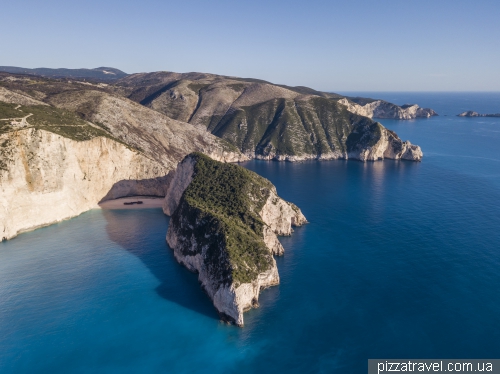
[[399, 260]]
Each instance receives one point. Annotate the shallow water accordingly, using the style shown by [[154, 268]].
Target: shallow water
[[399, 260]]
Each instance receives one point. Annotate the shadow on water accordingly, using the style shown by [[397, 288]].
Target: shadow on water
[[142, 232]]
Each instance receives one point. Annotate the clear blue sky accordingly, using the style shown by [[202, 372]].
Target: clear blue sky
[[380, 45]]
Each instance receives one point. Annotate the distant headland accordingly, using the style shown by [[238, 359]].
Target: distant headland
[[471, 113]]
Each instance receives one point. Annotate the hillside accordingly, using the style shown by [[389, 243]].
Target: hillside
[[62, 157], [262, 119], [259, 118], [224, 223]]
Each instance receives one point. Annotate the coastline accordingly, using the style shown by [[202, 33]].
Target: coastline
[[148, 202]]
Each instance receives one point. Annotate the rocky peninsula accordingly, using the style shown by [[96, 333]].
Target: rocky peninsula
[[224, 222], [384, 109]]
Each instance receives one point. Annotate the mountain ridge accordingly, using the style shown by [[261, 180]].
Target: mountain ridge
[[101, 73]]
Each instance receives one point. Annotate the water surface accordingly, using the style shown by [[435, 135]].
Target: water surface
[[399, 260]]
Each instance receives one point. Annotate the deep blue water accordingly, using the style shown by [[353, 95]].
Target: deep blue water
[[399, 260]]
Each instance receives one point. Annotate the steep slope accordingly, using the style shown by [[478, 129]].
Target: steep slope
[[160, 137], [155, 134], [224, 224], [261, 119]]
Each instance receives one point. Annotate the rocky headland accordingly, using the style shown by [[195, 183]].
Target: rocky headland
[[383, 109], [471, 113], [224, 222]]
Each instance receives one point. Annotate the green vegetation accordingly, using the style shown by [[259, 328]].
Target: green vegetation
[[58, 121], [288, 127], [364, 135], [222, 204]]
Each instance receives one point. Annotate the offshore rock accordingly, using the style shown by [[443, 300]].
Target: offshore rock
[[224, 222]]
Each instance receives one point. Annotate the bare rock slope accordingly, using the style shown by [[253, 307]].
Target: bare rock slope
[[223, 226]]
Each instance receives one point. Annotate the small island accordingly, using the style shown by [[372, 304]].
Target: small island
[[471, 113]]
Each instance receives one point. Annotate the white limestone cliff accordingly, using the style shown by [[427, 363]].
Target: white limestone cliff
[[384, 143], [383, 109], [182, 176], [231, 300], [46, 178]]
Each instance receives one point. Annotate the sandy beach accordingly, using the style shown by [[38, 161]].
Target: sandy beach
[[148, 202]]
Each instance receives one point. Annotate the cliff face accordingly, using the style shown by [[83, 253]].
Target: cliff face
[[223, 226], [46, 178], [375, 142], [383, 109]]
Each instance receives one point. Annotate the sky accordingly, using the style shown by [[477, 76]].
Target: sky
[[348, 45]]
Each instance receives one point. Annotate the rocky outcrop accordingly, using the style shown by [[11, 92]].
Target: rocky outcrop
[[375, 142], [46, 178], [223, 226], [471, 113], [384, 109]]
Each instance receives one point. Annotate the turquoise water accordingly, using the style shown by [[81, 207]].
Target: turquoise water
[[400, 260]]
